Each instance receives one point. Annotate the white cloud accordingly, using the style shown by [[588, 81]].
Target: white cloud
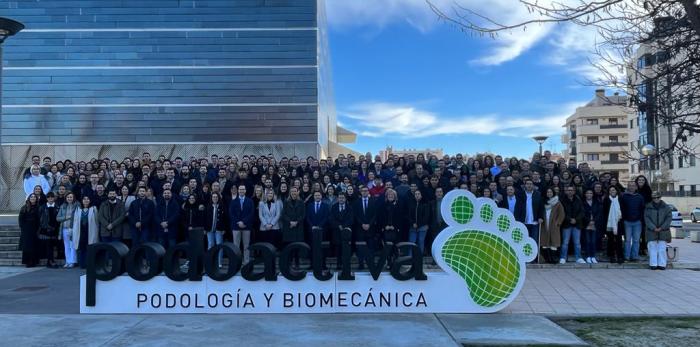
[[417, 13], [387, 119]]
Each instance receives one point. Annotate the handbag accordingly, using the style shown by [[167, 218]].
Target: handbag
[[672, 254]]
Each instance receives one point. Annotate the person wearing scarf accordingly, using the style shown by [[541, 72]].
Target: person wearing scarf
[[614, 225], [550, 236]]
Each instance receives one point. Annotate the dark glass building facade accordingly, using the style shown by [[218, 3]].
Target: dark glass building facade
[[107, 78]]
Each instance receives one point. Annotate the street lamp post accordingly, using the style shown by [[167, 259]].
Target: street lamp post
[[540, 140], [8, 27], [649, 151]]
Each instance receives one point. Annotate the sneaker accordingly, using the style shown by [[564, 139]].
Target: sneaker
[[588, 260], [562, 261], [65, 266], [594, 261], [580, 261], [661, 268]]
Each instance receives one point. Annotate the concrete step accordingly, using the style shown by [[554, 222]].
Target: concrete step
[[9, 240], [11, 262], [9, 247], [10, 254], [10, 233], [8, 219]]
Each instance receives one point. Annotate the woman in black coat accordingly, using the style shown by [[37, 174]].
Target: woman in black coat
[[614, 225], [593, 212], [29, 219], [192, 217], [419, 219]]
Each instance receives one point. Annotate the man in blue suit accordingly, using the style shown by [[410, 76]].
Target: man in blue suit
[[317, 213], [241, 212]]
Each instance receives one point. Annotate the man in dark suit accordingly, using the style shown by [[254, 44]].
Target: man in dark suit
[[317, 213], [141, 214], [341, 221], [513, 203], [534, 210], [365, 212], [241, 213], [167, 215]]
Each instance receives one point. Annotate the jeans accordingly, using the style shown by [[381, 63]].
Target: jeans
[[533, 230], [568, 233], [657, 253], [141, 236], [216, 238], [591, 239], [633, 231], [417, 236], [167, 240], [68, 247]]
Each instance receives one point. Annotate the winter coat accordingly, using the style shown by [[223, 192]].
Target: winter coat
[[93, 230], [658, 216], [115, 215], [550, 235]]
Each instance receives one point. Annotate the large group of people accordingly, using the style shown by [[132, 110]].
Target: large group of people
[[370, 201]]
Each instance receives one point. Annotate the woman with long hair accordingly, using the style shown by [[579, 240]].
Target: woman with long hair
[[269, 213], [215, 223], [614, 225], [550, 237], [85, 229], [29, 229]]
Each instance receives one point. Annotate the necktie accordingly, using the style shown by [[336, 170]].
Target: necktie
[[241, 204], [364, 205], [342, 207], [316, 207]]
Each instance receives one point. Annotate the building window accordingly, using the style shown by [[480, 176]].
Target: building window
[[670, 161], [612, 121], [592, 157], [592, 139], [614, 157], [693, 190], [680, 162], [691, 160], [632, 124], [591, 121], [613, 139]]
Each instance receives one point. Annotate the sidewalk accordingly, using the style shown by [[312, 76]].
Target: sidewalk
[[550, 292]]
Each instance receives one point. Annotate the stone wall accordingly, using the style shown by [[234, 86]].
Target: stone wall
[[16, 158]]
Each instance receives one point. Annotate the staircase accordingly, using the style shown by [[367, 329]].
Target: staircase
[[10, 255]]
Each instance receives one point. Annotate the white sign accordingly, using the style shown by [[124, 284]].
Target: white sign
[[483, 253]]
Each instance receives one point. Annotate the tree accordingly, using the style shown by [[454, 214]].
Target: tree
[[649, 49]]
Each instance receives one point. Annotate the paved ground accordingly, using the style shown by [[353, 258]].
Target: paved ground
[[287, 330], [551, 292]]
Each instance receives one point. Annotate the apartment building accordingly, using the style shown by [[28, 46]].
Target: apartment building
[[597, 134]]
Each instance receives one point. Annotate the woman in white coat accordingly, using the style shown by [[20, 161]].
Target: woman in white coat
[[85, 230], [270, 211]]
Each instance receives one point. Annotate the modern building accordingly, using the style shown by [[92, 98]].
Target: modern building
[[597, 134], [384, 154], [674, 172], [190, 78]]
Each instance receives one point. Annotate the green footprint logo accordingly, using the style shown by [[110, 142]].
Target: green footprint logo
[[486, 247]]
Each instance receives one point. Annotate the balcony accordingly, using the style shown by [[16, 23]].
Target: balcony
[[599, 130], [614, 162], [614, 126], [613, 144]]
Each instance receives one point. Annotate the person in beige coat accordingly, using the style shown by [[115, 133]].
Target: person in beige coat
[[270, 211], [550, 237]]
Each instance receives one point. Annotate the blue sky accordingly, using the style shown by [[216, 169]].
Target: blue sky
[[402, 78]]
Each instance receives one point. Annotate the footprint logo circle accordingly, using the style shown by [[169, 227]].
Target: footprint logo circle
[[485, 247]]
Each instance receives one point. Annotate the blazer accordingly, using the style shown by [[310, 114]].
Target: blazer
[[93, 231], [221, 218], [270, 214], [338, 220], [241, 214], [419, 213], [537, 206], [293, 211], [390, 216], [366, 216], [142, 210], [317, 219], [168, 212], [116, 216], [519, 208], [191, 216]]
